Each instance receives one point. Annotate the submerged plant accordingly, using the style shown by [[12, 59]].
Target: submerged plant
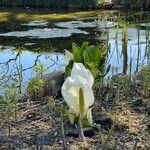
[[78, 94]]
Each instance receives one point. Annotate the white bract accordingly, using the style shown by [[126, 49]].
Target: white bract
[[81, 74], [77, 91], [68, 57]]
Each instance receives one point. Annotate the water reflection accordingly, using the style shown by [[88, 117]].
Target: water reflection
[[13, 63], [128, 47], [115, 35]]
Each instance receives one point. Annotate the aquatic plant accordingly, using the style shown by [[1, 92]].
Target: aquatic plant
[[78, 94], [92, 57]]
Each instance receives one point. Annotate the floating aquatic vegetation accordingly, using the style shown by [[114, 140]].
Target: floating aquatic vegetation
[[44, 33], [81, 24]]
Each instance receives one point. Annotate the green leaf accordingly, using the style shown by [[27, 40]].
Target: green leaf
[[92, 66], [72, 118], [81, 101], [76, 50], [94, 53], [86, 57], [89, 117], [84, 46]]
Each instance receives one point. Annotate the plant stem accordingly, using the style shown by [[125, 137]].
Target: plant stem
[[81, 129], [15, 113], [115, 146], [9, 126], [135, 145]]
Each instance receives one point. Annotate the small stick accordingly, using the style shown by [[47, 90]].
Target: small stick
[[135, 145], [123, 146], [63, 131], [115, 146]]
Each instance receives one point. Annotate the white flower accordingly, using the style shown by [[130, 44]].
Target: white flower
[[77, 90], [68, 57], [79, 72]]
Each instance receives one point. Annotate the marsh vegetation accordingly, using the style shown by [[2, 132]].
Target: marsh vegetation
[[100, 58]]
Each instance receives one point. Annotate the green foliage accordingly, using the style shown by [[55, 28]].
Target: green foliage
[[8, 107], [144, 76], [36, 85], [40, 69], [8, 104], [74, 119], [145, 73], [51, 103], [122, 82], [92, 57]]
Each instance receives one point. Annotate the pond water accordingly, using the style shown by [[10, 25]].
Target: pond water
[[30, 36]]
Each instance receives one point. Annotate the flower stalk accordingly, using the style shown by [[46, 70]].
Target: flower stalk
[[80, 128]]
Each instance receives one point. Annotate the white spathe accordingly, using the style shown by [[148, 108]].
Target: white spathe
[[68, 57], [79, 72], [80, 78]]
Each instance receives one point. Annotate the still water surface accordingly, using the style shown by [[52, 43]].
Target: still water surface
[[30, 36]]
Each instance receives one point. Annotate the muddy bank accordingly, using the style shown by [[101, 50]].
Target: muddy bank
[[119, 105]]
